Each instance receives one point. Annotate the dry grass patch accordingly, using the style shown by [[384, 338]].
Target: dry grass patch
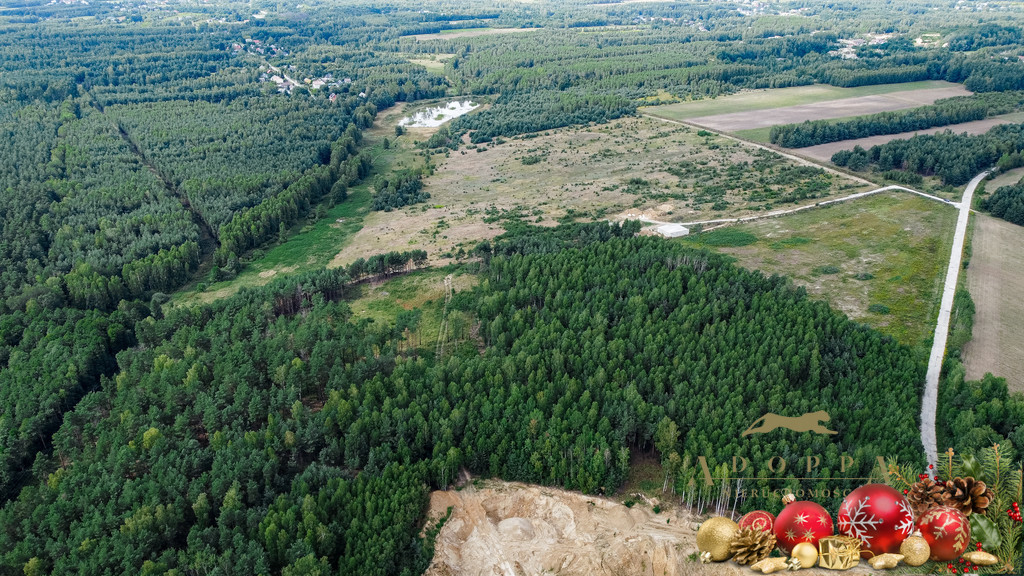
[[632, 167], [995, 279]]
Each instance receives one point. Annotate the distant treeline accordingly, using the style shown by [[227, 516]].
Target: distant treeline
[[941, 113]]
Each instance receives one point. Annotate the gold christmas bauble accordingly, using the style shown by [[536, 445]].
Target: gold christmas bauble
[[806, 553], [915, 550], [715, 535]]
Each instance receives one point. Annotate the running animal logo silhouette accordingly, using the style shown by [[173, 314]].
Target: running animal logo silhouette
[[809, 422]]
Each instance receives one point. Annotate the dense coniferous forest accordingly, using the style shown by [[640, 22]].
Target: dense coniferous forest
[[954, 158], [147, 146], [270, 431], [1007, 203]]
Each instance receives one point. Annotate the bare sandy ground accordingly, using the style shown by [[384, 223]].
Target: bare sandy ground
[[746, 120], [514, 529], [824, 152], [995, 278]]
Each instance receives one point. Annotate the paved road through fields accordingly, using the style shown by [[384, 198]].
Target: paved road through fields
[[929, 401]]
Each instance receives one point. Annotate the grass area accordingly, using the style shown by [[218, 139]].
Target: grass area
[[423, 290], [634, 167], [881, 260], [780, 97], [1008, 178], [432, 62], [646, 476], [313, 242]]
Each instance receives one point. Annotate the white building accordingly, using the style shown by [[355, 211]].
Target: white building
[[672, 230]]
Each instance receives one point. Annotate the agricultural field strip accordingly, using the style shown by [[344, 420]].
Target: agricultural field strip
[[929, 402], [828, 110], [807, 207], [995, 283]]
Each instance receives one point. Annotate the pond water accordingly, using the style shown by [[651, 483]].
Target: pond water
[[434, 117]]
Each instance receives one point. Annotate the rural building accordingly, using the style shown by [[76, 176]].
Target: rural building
[[672, 230]]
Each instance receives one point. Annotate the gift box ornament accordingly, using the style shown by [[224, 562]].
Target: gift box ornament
[[838, 552]]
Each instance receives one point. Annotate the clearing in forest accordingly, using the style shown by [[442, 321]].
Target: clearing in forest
[[995, 279], [636, 166], [880, 259]]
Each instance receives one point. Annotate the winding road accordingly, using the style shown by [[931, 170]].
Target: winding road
[[930, 399]]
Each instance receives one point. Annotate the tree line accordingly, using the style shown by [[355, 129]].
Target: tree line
[[954, 158], [941, 113]]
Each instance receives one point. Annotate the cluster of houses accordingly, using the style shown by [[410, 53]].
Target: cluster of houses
[[285, 84]]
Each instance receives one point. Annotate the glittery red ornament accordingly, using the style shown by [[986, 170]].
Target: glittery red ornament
[[879, 516], [801, 522], [947, 532], [758, 520]]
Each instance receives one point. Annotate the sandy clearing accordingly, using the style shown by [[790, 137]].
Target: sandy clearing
[[471, 33], [824, 152], [499, 528], [861, 105], [995, 278]]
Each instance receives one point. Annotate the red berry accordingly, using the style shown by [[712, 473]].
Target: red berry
[[931, 466]]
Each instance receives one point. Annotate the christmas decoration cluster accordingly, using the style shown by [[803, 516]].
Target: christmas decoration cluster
[[931, 520]]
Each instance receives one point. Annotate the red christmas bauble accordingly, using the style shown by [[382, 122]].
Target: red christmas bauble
[[801, 522], [880, 516], [947, 532], [758, 520]]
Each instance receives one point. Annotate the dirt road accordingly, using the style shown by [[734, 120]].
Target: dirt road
[[777, 213], [929, 402]]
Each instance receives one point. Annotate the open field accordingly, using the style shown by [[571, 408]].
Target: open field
[[641, 166], [839, 108], [995, 278], [1008, 178], [470, 33], [432, 62], [824, 152], [880, 259], [797, 96], [423, 289]]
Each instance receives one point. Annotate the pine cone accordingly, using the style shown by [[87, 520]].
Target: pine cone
[[926, 494], [751, 545], [967, 495]]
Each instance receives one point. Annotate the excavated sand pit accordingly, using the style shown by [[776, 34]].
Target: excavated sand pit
[[511, 529]]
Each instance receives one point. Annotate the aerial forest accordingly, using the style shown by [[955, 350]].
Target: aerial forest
[[148, 148]]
